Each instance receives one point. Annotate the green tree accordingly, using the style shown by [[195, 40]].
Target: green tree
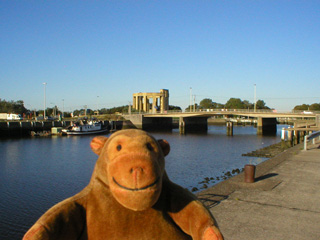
[[302, 107], [121, 109], [235, 103], [306, 107], [76, 112], [12, 107], [174, 108], [192, 107], [218, 105], [206, 103], [315, 107], [261, 105], [82, 112], [247, 104]]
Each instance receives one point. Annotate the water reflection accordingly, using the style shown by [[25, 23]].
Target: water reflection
[[196, 156]]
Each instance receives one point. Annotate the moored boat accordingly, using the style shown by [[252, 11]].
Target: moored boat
[[84, 127]]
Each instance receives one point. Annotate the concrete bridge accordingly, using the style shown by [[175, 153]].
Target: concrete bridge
[[197, 121]]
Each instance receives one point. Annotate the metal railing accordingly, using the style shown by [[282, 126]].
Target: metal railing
[[227, 110], [313, 136]]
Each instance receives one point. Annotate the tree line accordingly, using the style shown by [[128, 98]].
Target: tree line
[[232, 103], [311, 107], [12, 107]]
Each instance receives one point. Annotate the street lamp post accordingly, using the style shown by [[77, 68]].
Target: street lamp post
[[44, 110], [97, 105], [255, 97], [194, 103], [190, 98], [54, 109], [62, 108]]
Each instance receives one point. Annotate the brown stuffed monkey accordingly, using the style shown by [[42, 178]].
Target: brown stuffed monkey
[[129, 197]]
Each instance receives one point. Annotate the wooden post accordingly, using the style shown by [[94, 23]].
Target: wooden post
[[296, 137], [305, 144], [283, 138], [301, 137], [290, 139], [283, 134]]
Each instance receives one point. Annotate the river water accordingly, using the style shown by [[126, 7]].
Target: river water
[[36, 173]]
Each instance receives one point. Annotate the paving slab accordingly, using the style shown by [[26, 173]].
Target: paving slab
[[282, 203]]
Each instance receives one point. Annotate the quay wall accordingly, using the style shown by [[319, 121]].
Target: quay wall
[[21, 128]]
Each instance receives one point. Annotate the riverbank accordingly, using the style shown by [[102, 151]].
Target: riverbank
[[266, 152], [269, 151], [282, 203]]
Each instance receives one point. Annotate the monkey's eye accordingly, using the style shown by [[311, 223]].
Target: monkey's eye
[[119, 147], [149, 146]]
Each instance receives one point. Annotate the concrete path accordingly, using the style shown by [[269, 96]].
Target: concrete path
[[283, 203]]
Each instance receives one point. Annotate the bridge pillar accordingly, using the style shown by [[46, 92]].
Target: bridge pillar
[[150, 123], [193, 124], [157, 123], [135, 119], [229, 128], [181, 125], [266, 126]]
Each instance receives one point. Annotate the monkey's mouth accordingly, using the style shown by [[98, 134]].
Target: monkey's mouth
[[136, 189]]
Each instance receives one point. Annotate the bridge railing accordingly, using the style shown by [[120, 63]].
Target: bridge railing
[[206, 110], [227, 110], [313, 136], [233, 110]]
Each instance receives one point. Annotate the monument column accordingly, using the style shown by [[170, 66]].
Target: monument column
[[140, 103], [161, 104], [137, 102], [154, 100], [145, 103], [134, 102]]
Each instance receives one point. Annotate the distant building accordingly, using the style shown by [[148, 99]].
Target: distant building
[[151, 102]]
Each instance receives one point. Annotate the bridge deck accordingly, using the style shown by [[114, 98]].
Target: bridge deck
[[233, 113]]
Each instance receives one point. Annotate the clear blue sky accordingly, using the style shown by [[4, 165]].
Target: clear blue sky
[[112, 49]]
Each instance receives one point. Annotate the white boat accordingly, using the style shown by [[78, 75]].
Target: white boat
[[83, 128]]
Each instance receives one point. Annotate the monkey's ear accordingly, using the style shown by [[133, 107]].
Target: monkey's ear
[[165, 146], [97, 144]]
